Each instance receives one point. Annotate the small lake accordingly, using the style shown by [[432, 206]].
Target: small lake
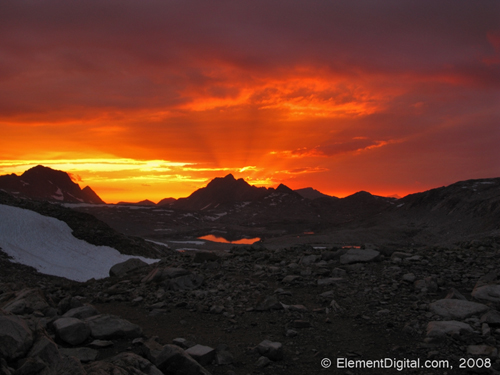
[[243, 241]]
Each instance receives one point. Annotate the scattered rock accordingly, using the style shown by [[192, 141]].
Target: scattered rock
[[271, 350], [456, 309], [359, 256]]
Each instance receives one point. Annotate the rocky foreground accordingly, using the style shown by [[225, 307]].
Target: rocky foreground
[[260, 311]]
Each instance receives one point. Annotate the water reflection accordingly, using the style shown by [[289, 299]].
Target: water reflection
[[243, 241]]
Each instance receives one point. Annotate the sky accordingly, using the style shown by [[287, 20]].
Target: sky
[[152, 99]]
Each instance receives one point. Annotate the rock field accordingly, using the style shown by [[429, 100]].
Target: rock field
[[260, 311]]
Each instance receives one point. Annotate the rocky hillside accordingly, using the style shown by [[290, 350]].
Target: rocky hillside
[[43, 183], [87, 227]]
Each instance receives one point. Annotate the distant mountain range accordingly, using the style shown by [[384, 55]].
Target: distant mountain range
[[43, 183], [461, 210]]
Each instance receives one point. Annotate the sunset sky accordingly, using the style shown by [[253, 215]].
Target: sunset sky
[[152, 99]]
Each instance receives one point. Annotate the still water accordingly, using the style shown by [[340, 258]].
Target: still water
[[243, 241]]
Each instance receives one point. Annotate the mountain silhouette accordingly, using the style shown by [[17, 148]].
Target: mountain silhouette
[[44, 183]]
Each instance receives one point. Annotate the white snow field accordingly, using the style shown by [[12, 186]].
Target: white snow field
[[48, 245]]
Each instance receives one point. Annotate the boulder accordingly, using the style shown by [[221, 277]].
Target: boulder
[[492, 317], [173, 360], [487, 293], [123, 363], [443, 328], [82, 312], [482, 351], [71, 330], [15, 337], [27, 301], [456, 308], [204, 355], [271, 350], [269, 303], [105, 326], [127, 266], [359, 256]]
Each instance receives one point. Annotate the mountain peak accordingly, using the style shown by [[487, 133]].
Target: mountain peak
[[45, 183]]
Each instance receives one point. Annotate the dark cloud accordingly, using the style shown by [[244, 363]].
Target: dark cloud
[[200, 79]]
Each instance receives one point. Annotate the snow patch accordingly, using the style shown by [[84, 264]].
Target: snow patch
[[48, 245]]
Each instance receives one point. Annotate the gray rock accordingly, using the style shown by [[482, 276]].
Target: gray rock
[[47, 350], [456, 309], [409, 277], [204, 355], [71, 330], [224, 357], [291, 333], [15, 337], [271, 350], [187, 282], [455, 294], [330, 281], [359, 256], [82, 312], [83, 354], [101, 343], [492, 317], [262, 362], [121, 364], [154, 275], [339, 272], [122, 268], [172, 273], [108, 326], [26, 302], [309, 259], [183, 343], [443, 328], [173, 360], [290, 279], [32, 365], [269, 303], [482, 351], [487, 293]]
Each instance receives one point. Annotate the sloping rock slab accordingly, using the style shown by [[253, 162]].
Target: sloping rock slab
[[108, 326], [456, 309], [487, 293], [15, 337], [359, 256], [173, 360], [127, 266]]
